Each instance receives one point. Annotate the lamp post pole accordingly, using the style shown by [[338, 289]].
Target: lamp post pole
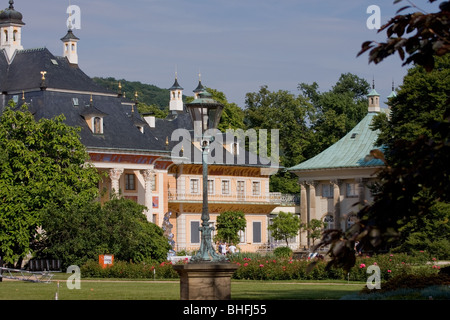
[[208, 275], [207, 111]]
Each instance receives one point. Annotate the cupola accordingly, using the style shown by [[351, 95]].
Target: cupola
[[70, 47], [11, 30], [374, 100], [176, 96]]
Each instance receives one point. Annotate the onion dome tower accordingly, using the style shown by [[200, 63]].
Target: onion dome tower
[[11, 31]]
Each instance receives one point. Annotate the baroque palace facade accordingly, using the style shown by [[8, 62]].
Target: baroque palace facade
[[135, 152]]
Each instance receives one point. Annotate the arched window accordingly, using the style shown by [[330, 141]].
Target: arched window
[[6, 35], [98, 125], [14, 35], [329, 220]]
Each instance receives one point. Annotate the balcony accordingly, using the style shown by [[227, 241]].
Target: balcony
[[270, 198]]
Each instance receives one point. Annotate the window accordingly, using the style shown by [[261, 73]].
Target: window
[[327, 191], [194, 186], [75, 102], [210, 186], [256, 188], [352, 189], [329, 221], [130, 182], [240, 188], [98, 125], [256, 232], [195, 231], [225, 186]]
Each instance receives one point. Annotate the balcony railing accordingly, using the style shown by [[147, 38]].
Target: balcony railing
[[271, 197]]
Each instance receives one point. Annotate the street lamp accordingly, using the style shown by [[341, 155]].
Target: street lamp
[[205, 113]]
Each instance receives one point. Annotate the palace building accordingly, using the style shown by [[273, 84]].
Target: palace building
[[135, 152], [337, 180]]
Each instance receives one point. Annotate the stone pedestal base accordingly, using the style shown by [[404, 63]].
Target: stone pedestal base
[[205, 281]]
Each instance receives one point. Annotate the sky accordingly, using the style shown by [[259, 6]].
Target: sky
[[236, 45]]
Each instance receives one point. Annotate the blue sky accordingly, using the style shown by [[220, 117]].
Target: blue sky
[[237, 45]]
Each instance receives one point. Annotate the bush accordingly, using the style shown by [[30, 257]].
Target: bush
[[283, 252], [120, 269]]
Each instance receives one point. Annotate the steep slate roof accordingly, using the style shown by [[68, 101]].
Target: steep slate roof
[[24, 73], [348, 152], [65, 82]]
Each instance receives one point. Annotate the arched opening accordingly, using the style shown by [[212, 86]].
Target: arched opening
[[329, 221], [98, 125]]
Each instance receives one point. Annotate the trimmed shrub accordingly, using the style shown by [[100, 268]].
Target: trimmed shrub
[[283, 252]]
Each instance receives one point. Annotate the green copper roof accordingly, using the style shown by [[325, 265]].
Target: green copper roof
[[372, 93], [392, 95], [349, 152]]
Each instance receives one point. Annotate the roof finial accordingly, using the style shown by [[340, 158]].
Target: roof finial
[[373, 82], [11, 4], [392, 84]]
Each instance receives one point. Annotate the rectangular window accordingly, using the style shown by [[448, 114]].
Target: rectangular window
[[256, 232], [327, 191], [195, 231], [210, 186], [240, 188], [130, 182], [352, 189], [256, 188], [225, 186], [194, 186]]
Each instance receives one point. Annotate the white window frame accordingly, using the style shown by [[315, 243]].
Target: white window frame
[[258, 191], [351, 190], [228, 191], [191, 186]]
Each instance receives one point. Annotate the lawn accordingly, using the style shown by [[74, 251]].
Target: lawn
[[170, 290]]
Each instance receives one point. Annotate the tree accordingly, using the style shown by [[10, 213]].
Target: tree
[[431, 38], [81, 232], [314, 228], [284, 226], [42, 163], [287, 113], [228, 225], [335, 112]]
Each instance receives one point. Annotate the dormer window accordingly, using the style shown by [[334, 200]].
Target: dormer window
[[97, 125], [94, 118]]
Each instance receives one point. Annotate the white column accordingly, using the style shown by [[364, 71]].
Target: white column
[[114, 175], [148, 175], [337, 202]]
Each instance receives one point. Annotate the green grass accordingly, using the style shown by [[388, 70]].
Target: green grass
[[170, 290]]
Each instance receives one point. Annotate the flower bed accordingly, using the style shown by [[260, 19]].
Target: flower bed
[[271, 267]]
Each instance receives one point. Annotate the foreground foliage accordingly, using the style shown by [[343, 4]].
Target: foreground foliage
[[42, 163]]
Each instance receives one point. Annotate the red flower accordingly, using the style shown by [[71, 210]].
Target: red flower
[[261, 265], [362, 265]]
